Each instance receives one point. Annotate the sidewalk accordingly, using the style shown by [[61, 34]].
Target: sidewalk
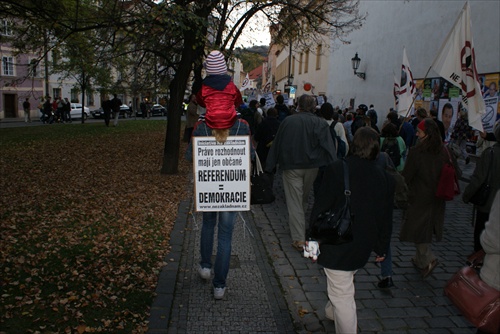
[[273, 289]]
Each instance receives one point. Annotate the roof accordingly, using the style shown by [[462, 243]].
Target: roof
[[255, 73]]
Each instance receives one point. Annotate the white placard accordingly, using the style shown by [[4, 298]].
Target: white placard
[[490, 116], [320, 99], [222, 174], [270, 103]]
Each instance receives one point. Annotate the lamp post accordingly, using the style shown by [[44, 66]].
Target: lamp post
[[355, 65], [290, 75]]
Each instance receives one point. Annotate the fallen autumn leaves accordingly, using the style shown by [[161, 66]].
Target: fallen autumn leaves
[[85, 223]]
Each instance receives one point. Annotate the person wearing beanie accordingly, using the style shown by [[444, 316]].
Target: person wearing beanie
[[220, 97], [359, 118], [488, 163], [218, 93], [424, 217]]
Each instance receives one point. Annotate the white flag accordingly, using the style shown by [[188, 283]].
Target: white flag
[[267, 87], [396, 92], [406, 87], [456, 62], [246, 83]]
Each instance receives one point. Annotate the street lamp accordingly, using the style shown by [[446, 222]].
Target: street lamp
[[355, 65], [290, 80]]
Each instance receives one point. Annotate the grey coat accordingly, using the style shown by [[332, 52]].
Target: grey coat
[[303, 141], [425, 214]]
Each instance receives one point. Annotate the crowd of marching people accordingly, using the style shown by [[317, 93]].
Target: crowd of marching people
[[396, 166], [56, 111]]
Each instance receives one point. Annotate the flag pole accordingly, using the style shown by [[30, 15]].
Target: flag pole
[[413, 100], [414, 97]]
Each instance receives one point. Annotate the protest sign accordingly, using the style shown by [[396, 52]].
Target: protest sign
[[222, 174]]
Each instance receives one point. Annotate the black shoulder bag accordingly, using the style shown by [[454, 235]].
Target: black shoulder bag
[[334, 227]]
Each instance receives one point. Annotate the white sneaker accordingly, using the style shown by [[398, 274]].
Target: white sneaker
[[205, 273], [219, 293]]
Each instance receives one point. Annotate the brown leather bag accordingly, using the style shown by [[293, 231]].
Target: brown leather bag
[[477, 301]]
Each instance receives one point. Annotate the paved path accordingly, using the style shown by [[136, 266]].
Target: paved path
[[273, 289]]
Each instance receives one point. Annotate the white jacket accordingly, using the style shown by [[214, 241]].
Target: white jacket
[[490, 272]]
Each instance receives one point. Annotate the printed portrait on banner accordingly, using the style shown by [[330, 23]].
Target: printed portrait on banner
[[448, 111]]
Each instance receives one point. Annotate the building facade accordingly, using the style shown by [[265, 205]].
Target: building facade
[[419, 26], [20, 78]]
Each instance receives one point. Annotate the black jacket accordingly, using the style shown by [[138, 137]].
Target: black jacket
[[372, 200]]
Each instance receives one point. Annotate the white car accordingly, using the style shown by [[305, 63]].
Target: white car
[[76, 111]]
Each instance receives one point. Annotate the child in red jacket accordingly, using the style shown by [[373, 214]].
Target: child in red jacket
[[218, 94]]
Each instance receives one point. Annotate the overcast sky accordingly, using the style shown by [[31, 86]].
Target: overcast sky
[[256, 33]]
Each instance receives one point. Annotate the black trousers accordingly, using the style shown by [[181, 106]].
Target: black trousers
[[481, 219], [107, 115]]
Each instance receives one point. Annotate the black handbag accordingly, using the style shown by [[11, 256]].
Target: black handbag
[[334, 227], [483, 193], [261, 191]]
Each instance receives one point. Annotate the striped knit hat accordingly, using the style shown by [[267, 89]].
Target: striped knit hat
[[215, 63]]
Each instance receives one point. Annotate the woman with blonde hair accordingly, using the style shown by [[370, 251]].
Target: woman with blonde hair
[[220, 97]]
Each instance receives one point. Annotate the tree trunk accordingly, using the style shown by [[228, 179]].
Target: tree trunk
[[83, 86], [192, 52], [175, 108]]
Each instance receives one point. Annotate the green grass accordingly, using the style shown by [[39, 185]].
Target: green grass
[[26, 135]]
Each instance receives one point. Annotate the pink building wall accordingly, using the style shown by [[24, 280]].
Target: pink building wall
[[15, 89]]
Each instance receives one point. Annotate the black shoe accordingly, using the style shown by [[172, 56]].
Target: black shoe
[[386, 283]]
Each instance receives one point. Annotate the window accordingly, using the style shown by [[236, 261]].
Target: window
[[8, 66], [318, 56], [6, 28], [306, 64], [56, 92], [301, 58], [55, 58], [74, 95], [90, 99], [33, 68]]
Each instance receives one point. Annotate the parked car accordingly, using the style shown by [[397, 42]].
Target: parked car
[[76, 111], [158, 110], [124, 112], [97, 113]]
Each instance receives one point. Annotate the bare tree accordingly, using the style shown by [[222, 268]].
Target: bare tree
[[170, 38]]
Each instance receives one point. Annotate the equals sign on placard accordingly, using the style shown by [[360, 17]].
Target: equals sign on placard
[[221, 187]]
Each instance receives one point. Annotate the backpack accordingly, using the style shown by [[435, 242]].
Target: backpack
[[337, 141], [400, 190], [391, 147]]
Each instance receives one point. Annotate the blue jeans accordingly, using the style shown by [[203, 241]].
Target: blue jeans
[[386, 265], [224, 238]]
